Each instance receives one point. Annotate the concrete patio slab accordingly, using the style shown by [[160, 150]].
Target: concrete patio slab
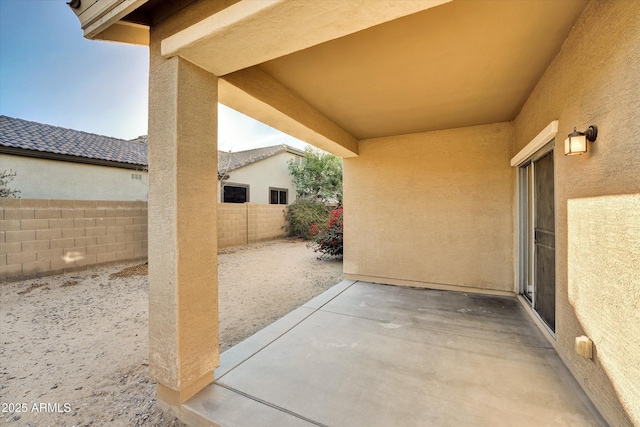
[[244, 350], [376, 355]]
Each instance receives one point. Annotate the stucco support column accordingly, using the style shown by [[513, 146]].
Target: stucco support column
[[183, 277]]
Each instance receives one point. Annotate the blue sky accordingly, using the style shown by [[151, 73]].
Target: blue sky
[[50, 74]]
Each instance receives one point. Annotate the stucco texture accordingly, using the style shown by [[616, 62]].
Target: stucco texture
[[183, 321], [595, 79], [263, 175], [432, 209], [54, 179], [183, 285]]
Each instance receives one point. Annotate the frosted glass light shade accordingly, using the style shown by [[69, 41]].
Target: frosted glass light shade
[[575, 144]]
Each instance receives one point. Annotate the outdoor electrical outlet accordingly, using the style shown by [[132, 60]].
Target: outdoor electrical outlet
[[584, 347]]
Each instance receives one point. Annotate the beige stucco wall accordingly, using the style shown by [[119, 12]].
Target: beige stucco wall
[[183, 285], [595, 79], [54, 179], [269, 173], [432, 209]]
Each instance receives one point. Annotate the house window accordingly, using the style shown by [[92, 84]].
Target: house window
[[235, 194], [137, 176], [278, 196]]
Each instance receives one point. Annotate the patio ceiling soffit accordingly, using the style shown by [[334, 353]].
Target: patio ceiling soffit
[[232, 42], [251, 32]]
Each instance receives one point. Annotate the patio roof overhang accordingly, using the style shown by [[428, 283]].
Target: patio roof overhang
[[334, 73], [103, 20]]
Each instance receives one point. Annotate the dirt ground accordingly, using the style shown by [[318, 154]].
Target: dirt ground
[[74, 347]]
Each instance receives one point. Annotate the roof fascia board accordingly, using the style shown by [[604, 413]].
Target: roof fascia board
[[100, 15], [294, 150], [67, 158], [90, 10], [256, 94], [251, 32]]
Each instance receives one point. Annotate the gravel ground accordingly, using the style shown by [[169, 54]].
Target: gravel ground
[[74, 347]]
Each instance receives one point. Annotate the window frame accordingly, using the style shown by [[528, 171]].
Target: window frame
[[233, 184], [279, 190]]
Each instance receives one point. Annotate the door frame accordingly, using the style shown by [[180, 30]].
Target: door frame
[[540, 146], [528, 259]]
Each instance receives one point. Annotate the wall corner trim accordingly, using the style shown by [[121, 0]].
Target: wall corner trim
[[541, 139]]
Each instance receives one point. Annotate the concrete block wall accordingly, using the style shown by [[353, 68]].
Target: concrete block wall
[[41, 237], [232, 224], [266, 222], [241, 224]]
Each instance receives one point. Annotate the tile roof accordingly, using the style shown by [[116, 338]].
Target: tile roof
[[231, 161], [26, 135], [33, 136]]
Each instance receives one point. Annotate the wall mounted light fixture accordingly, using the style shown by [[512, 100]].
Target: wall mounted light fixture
[[576, 142]]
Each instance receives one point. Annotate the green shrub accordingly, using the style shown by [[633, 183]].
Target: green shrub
[[302, 214], [319, 176]]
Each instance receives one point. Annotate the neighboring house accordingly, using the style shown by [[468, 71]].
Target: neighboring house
[[259, 176], [451, 118], [58, 163]]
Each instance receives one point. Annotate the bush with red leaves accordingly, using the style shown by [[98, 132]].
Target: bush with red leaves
[[328, 239]]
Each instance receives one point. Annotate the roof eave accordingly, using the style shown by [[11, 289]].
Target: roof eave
[[67, 158], [102, 20], [294, 150]]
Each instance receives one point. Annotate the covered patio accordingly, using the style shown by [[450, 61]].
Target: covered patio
[[451, 117], [365, 354]]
